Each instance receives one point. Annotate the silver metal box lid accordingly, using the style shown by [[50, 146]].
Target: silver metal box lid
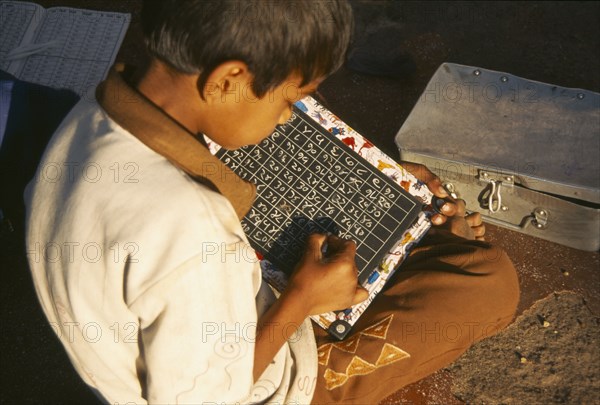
[[547, 137]]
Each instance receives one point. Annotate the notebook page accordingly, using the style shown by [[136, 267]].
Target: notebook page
[[87, 44], [17, 26]]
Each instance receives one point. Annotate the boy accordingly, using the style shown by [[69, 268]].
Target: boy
[[121, 240]]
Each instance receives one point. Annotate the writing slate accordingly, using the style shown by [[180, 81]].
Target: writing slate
[[309, 181]]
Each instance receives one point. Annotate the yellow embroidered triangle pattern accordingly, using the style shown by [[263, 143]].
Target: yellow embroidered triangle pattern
[[390, 354], [359, 366], [323, 353], [333, 379], [380, 329], [350, 345]]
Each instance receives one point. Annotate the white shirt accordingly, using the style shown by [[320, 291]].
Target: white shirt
[[146, 276]]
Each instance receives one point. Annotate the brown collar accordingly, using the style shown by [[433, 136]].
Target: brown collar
[[162, 134]]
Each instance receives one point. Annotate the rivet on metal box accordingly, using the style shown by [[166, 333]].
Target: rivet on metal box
[[525, 154]]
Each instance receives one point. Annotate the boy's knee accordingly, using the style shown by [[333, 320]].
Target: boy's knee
[[500, 295]]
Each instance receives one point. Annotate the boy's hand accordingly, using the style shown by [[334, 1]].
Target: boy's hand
[[469, 226], [434, 184], [327, 281]]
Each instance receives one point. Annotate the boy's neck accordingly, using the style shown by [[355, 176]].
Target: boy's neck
[[176, 94]]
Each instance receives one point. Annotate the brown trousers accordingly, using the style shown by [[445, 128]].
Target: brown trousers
[[448, 294]]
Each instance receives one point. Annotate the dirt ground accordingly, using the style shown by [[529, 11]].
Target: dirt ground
[[549, 355], [531, 362]]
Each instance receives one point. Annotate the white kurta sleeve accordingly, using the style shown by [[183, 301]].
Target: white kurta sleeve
[[197, 329]]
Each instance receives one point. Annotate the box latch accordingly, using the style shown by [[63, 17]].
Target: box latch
[[493, 194]]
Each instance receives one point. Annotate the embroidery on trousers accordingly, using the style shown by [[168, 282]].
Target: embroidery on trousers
[[350, 345], [358, 366]]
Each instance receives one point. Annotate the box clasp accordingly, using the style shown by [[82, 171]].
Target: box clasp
[[540, 218], [489, 176], [494, 194]]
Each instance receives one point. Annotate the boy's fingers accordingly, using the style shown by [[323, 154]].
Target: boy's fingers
[[478, 231], [422, 173], [338, 245], [450, 209], [461, 207], [360, 295], [474, 219], [438, 219], [454, 208], [435, 186], [314, 244]]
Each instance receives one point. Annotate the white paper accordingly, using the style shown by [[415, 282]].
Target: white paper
[[84, 46]]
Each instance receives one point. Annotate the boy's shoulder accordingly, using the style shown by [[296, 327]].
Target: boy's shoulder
[[92, 158]]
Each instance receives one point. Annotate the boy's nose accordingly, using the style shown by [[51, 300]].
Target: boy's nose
[[285, 115]]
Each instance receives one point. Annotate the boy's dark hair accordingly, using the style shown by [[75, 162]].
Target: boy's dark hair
[[274, 38]]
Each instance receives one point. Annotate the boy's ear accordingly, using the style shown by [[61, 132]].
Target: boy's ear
[[227, 78]]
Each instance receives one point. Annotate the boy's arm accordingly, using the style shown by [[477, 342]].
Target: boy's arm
[[320, 283]]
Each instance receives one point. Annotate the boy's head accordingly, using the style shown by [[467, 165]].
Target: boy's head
[[232, 69], [275, 39]]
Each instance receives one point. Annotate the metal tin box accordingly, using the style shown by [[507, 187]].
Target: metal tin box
[[525, 154]]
